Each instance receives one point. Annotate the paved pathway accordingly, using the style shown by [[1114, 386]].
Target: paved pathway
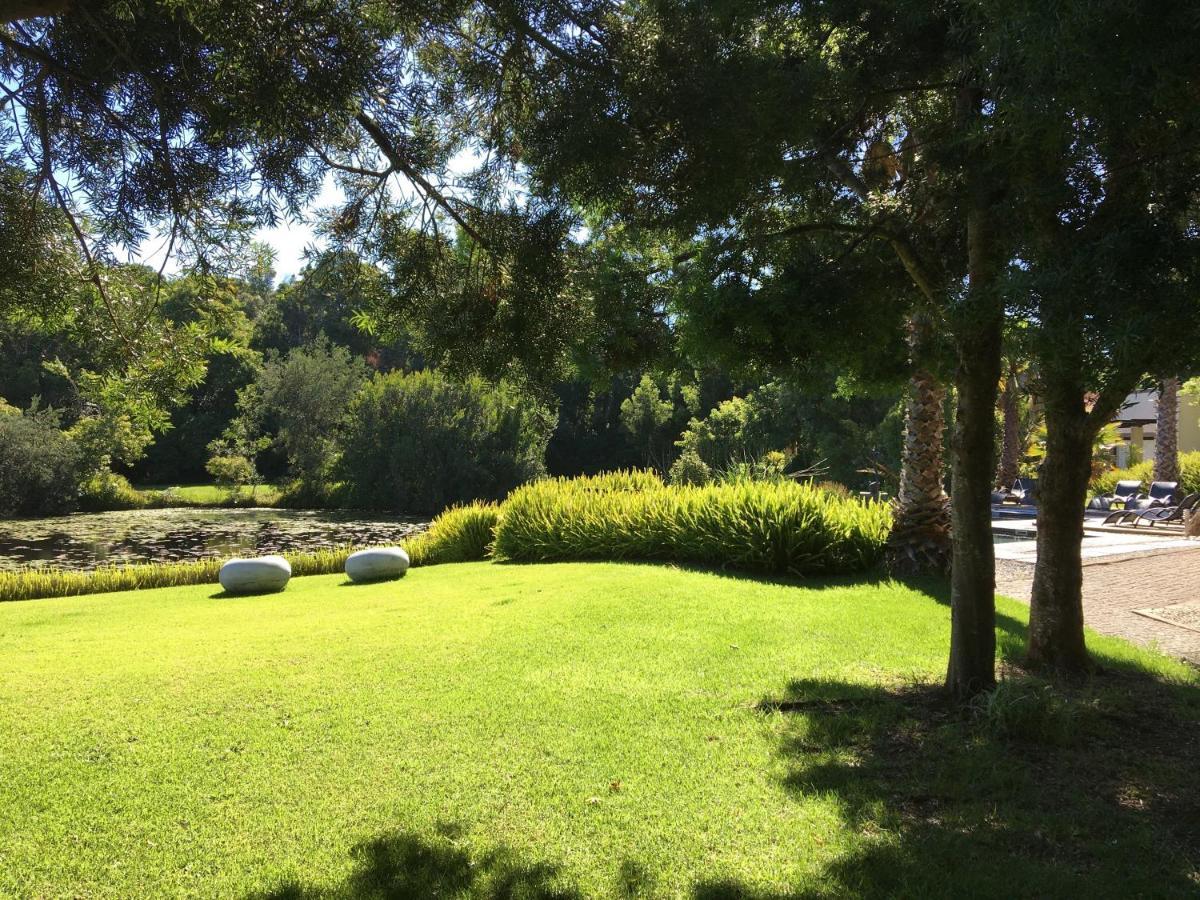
[[1114, 586]]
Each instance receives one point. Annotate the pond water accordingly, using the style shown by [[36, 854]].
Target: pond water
[[87, 540]]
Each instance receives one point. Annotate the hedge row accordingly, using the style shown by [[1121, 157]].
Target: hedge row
[[776, 527]]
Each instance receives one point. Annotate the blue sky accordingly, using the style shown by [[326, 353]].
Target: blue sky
[[289, 239]]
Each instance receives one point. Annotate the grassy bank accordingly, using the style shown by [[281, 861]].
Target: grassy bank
[[571, 730], [208, 495]]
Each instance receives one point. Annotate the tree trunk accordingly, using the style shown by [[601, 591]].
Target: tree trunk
[[1011, 449], [978, 331], [1056, 608], [972, 666], [919, 542], [1166, 434]]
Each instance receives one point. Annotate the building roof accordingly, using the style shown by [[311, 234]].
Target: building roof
[[1141, 408]]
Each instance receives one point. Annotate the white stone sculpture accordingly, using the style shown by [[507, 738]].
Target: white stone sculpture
[[376, 564], [260, 575]]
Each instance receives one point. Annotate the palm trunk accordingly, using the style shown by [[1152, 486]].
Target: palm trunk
[[1166, 434], [1010, 449], [919, 542]]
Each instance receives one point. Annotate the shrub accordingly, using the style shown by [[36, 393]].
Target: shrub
[[302, 399], [460, 534], [768, 467], [689, 468], [232, 471], [617, 481], [40, 467], [106, 491], [782, 528], [421, 442], [739, 429]]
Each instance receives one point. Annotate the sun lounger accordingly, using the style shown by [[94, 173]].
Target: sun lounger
[[1122, 494], [1166, 515], [1162, 493]]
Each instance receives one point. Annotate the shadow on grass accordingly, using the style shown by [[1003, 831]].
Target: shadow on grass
[[400, 866], [1089, 790], [245, 595], [374, 582]]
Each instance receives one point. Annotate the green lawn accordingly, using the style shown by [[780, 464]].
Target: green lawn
[[573, 730], [211, 494]]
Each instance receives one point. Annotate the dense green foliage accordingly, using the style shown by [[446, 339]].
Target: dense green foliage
[[106, 490], [569, 731], [424, 441], [301, 399], [815, 429], [779, 527], [40, 466]]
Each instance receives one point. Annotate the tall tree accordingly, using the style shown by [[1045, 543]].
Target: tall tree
[[834, 132], [1110, 168]]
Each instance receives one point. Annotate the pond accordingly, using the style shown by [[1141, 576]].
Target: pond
[[87, 540]]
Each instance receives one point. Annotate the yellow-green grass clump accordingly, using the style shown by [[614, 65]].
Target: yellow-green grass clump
[[777, 527]]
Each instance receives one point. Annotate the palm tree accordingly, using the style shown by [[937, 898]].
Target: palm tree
[[920, 538], [1012, 448], [1166, 434]]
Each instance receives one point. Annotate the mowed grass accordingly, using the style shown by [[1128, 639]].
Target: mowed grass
[[206, 495], [570, 730]]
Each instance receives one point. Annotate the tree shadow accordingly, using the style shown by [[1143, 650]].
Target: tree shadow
[[1001, 800], [407, 866]]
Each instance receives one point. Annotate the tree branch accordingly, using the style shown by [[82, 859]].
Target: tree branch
[[524, 28], [401, 165]]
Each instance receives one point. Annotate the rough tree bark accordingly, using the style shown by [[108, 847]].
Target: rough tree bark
[[1166, 434], [1056, 608], [1010, 448], [919, 542]]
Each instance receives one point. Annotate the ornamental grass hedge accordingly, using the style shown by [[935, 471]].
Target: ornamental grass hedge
[[777, 527]]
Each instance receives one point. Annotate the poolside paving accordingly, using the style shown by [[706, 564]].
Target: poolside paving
[[1151, 576]]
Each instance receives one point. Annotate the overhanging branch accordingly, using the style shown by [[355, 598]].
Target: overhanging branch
[[401, 165]]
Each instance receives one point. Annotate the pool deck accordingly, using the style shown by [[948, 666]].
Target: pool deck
[[1140, 586]]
